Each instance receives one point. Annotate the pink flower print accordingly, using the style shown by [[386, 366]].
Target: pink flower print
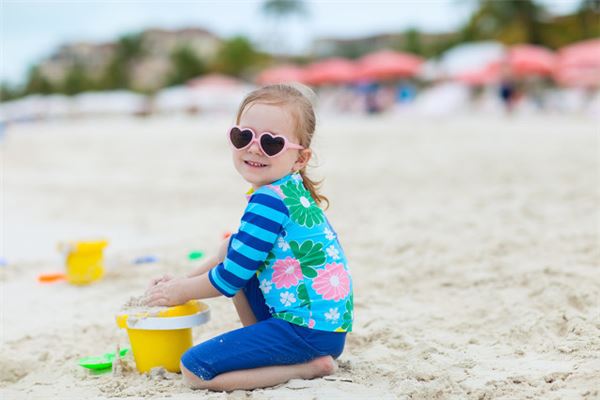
[[311, 323], [287, 273], [332, 282]]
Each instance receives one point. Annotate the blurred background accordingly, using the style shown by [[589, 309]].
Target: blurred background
[[65, 59], [109, 109]]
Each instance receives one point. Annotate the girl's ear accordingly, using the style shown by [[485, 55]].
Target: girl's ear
[[304, 156]]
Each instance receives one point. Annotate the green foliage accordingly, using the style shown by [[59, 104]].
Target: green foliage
[[76, 80], [9, 92], [185, 65], [412, 42], [236, 56], [37, 83], [129, 48]]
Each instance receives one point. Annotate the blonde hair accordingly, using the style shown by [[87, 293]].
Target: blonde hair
[[298, 99]]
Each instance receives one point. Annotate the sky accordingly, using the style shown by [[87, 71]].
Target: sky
[[32, 30]]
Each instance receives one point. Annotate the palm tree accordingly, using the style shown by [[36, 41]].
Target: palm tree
[[510, 21], [284, 8], [278, 11]]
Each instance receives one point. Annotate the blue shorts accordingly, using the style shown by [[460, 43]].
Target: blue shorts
[[270, 341]]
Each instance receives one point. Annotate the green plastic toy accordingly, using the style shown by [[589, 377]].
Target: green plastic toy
[[195, 255], [100, 362]]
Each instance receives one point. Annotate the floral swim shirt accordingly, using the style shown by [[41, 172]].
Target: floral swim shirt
[[286, 240]]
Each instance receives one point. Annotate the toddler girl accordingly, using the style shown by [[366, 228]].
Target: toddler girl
[[284, 267]]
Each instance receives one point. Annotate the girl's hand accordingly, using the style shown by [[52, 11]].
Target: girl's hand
[[167, 293], [156, 281]]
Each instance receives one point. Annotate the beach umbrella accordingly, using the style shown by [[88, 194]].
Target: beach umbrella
[[331, 71], [579, 64], [528, 60], [280, 74], [388, 64], [484, 76]]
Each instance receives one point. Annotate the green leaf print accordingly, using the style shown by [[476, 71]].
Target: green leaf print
[[308, 272], [268, 260], [309, 254], [289, 317], [303, 295], [302, 206], [347, 317]]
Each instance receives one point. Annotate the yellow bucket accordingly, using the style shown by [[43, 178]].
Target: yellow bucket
[[160, 340], [84, 260]]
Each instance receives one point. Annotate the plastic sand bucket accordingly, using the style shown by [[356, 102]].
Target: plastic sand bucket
[[84, 260], [160, 340]]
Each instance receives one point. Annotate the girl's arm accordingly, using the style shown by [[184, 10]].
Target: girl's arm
[[211, 262], [261, 224]]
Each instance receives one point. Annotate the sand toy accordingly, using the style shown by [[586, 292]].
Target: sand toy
[[195, 255], [52, 277], [84, 260], [145, 260], [159, 339], [101, 362]]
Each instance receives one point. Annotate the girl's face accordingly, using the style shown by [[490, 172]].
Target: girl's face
[[252, 164]]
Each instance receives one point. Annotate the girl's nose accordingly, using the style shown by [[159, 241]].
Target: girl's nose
[[254, 148]]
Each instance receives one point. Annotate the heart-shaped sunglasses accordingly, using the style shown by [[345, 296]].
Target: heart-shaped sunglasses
[[270, 144]]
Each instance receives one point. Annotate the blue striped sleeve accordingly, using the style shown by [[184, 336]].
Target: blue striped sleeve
[[260, 226]]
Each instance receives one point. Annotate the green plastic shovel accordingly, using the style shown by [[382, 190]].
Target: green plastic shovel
[[100, 362]]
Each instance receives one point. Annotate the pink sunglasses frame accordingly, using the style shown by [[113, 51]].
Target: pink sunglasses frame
[[256, 139]]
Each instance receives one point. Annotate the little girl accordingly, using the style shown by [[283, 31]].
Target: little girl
[[284, 267]]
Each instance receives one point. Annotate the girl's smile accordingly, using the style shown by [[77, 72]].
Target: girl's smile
[[251, 162], [254, 164]]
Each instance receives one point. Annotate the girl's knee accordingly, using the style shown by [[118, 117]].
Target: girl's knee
[[196, 368], [190, 379]]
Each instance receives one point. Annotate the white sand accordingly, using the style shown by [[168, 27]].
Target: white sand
[[473, 244]]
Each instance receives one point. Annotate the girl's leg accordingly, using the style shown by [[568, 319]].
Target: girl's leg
[[240, 301], [263, 354], [255, 378]]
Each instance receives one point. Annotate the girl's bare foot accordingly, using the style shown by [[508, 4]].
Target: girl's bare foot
[[322, 366]]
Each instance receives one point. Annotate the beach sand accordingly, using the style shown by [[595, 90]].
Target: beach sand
[[473, 244]]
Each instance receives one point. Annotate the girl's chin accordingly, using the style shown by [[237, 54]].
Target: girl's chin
[[255, 177]]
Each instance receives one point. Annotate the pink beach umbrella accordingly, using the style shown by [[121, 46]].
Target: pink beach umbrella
[[280, 74], [579, 64], [330, 71], [481, 77], [528, 60], [388, 64]]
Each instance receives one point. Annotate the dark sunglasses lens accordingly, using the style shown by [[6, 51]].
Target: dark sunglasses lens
[[271, 145], [240, 138]]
